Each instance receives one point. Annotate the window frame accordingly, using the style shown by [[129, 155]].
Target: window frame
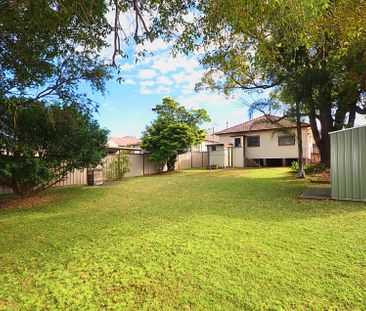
[[254, 136], [286, 145], [213, 148], [235, 140]]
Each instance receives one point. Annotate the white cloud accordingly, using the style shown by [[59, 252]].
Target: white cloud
[[147, 73], [187, 91], [168, 63], [164, 80], [145, 91], [179, 77], [157, 45], [130, 81], [163, 90], [147, 83], [204, 99], [126, 67]]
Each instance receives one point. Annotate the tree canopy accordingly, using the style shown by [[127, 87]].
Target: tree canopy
[[314, 51], [174, 131], [42, 143], [48, 48]]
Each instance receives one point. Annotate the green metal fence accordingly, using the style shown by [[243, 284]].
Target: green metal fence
[[348, 164]]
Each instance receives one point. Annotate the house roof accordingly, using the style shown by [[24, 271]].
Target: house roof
[[212, 138], [262, 123], [124, 141]]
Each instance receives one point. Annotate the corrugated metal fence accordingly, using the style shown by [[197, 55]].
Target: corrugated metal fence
[[140, 165], [348, 166], [76, 177]]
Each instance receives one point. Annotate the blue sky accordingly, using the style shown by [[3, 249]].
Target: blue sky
[[125, 109]]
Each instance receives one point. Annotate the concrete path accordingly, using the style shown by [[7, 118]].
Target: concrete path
[[317, 193]]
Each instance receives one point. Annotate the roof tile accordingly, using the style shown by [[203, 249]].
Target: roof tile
[[262, 123]]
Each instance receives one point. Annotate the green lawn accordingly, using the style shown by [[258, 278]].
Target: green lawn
[[235, 240]]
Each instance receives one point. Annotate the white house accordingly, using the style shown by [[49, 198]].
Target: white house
[[210, 139], [264, 141]]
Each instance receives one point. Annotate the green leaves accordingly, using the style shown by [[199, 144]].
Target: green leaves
[[51, 48], [174, 131], [41, 144], [118, 167]]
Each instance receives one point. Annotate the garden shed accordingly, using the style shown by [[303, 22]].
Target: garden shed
[[220, 155], [348, 164]]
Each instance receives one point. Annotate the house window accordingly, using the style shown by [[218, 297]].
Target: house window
[[213, 148], [286, 140], [253, 141], [237, 142]]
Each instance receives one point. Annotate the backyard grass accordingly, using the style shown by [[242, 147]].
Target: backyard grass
[[235, 240]]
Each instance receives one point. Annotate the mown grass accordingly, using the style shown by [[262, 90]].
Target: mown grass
[[235, 240]]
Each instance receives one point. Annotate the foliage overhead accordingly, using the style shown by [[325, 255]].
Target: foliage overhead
[[42, 143], [51, 48], [311, 51], [174, 131]]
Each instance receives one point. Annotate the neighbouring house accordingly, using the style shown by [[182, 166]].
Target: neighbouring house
[[210, 139], [128, 143], [264, 141]]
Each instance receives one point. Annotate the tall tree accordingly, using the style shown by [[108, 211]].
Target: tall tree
[[260, 45], [174, 131]]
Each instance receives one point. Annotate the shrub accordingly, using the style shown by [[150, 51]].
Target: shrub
[[294, 167], [309, 168], [314, 168], [119, 167], [41, 143]]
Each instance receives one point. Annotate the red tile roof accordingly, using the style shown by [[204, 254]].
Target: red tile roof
[[262, 123], [126, 140]]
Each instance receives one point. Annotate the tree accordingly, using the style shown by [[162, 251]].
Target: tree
[[51, 48], [174, 131], [42, 143], [266, 45]]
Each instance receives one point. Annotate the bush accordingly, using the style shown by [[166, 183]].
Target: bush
[[309, 168], [41, 143], [294, 167], [119, 167], [314, 168]]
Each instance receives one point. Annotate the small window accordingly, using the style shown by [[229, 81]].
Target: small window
[[286, 140], [237, 142], [213, 148], [253, 141]]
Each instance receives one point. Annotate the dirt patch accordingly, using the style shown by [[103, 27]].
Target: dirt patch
[[27, 202], [321, 178]]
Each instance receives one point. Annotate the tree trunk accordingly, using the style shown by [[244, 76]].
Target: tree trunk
[[325, 115], [301, 172], [326, 123], [171, 163], [352, 115]]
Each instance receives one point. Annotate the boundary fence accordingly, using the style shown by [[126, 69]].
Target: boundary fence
[[140, 165]]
